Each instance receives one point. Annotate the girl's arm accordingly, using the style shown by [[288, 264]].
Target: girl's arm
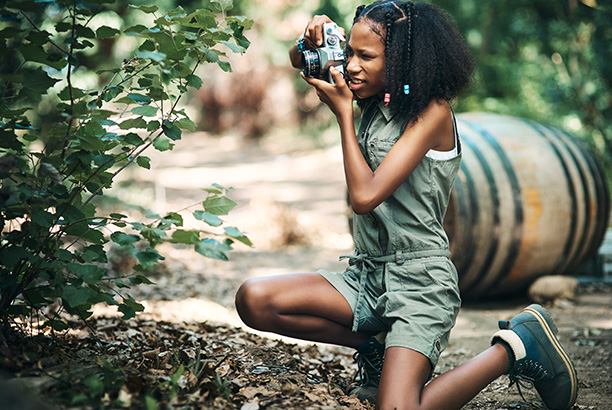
[[367, 188]]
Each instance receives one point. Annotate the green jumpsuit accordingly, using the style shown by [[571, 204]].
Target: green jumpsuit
[[400, 278]]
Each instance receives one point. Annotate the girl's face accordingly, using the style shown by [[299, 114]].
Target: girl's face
[[366, 61]]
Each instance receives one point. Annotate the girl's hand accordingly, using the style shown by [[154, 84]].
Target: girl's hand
[[313, 34], [313, 38], [338, 97]]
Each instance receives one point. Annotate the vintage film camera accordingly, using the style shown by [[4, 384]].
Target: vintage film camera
[[316, 63]]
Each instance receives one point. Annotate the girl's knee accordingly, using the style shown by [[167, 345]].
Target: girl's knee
[[251, 302]]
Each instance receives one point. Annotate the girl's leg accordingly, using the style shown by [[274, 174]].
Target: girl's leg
[[405, 372], [302, 305]]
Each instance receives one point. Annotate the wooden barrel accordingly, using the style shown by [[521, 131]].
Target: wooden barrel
[[529, 200]]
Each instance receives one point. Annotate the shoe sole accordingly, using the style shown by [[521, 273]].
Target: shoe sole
[[544, 319]]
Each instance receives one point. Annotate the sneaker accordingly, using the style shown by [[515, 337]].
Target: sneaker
[[539, 360], [369, 357]]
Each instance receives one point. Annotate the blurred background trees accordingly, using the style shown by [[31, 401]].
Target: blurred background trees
[[547, 61], [543, 60]]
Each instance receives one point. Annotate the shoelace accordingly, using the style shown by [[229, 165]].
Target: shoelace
[[368, 365], [526, 374]]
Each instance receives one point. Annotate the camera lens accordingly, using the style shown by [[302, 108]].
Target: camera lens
[[311, 67]]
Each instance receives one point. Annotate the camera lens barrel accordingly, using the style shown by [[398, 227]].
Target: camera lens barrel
[[311, 66]]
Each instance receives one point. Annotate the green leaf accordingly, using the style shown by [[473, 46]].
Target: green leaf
[[186, 237], [162, 144], [36, 82], [111, 92], [139, 98], [42, 218], [57, 324], [210, 219], [83, 31], [146, 9], [211, 248], [153, 125], [71, 214], [133, 123], [239, 236], [239, 23], [194, 81], [225, 66], [172, 131], [11, 255], [107, 32], [144, 162], [221, 5], [135, 30], [217, 189], [94, 253], [138, 279], [36, 53], [145, 110], [120, 283], [9, 140], [234, 47], [75, 296], [218, 205], [9, 32], [63, 26], [174, 218], [129, 309], [153, 55], [186, 124], [90, 274], [148, 258], [123, 239], [132, 138]]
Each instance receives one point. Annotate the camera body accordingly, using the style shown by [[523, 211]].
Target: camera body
[[316, 63]]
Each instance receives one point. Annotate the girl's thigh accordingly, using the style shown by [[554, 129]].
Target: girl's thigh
[[308, 294]]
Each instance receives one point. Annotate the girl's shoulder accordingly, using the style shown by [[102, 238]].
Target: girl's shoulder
[[435, 125]]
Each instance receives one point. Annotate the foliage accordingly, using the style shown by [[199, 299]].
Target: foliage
[[548, 61], [54, 241]]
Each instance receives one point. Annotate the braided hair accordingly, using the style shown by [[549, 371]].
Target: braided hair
[[425, 56]]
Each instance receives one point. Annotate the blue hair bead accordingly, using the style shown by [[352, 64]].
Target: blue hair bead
[[407, 89]]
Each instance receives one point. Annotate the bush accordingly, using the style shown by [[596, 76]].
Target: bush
[[53, 243]]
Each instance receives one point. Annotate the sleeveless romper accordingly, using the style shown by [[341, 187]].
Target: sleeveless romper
[[400, 278]]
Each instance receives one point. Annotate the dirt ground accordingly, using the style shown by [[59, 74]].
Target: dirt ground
[[292, 206]]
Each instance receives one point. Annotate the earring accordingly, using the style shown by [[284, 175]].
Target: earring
[[387, 99], [407, 89]]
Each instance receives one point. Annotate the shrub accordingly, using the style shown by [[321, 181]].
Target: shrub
[[54, 240]]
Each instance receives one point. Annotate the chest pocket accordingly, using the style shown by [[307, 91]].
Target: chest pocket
[[378, 145]]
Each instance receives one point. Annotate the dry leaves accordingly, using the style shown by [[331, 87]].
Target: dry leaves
[[186, 366]]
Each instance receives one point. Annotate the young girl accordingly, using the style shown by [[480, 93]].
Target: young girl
[[398, 298]]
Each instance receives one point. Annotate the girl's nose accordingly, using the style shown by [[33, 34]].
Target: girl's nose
[[352, 67]]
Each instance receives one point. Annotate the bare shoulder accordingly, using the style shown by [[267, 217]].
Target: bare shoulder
[[435, 127]]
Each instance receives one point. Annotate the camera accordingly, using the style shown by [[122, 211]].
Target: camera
[[316, 63]]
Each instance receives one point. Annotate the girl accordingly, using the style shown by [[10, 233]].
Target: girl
[[398, 298]]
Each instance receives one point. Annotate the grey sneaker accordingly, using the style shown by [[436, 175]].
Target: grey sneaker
[[539, 359], [369, 357]]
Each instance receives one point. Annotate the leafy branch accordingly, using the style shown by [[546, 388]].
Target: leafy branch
[[54, 240]]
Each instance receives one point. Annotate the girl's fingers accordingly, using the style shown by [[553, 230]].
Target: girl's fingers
[[338, 77], [314, 30]]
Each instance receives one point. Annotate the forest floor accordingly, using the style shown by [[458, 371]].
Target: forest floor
[[188, 349]]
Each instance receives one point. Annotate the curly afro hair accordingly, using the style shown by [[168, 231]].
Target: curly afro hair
[[424, 54]]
